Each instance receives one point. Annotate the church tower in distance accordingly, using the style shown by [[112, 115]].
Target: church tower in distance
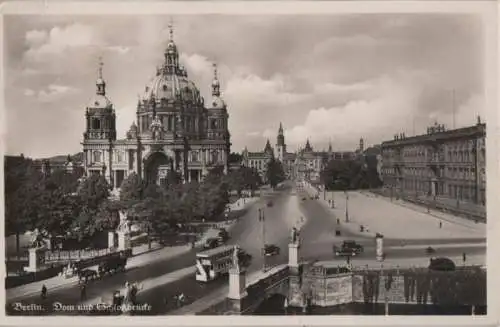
[[280, 145]]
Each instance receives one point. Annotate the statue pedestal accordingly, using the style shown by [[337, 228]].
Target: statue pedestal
[[293, 255], [237, 284], [36, 260], [124, 242], [379, 241], [111, 240]]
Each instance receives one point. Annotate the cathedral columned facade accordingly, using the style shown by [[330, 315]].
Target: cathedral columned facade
[[175, 131]]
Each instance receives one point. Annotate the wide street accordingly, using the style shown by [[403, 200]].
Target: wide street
[[165, 278]]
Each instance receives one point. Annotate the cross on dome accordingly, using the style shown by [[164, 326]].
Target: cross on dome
[[99, 71], [171, 29]]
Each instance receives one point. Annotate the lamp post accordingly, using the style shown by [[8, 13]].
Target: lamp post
[[346, 207], [262, 219]]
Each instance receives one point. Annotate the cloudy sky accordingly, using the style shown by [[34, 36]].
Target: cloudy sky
[[331, 77]]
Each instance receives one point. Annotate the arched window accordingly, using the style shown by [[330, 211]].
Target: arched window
[[97, 156], [96, 123], [119, 156]]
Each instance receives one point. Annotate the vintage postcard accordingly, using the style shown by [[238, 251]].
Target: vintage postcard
[[293, 163]]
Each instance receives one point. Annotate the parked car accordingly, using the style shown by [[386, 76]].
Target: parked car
[[270, 203], [271, 250], [442, 264], [348, 248]]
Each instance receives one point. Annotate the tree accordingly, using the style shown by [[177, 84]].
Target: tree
[[235, 180], [235, 158], [344, 175], [131, 189], [93, 191], [274, 172], [22, 183]]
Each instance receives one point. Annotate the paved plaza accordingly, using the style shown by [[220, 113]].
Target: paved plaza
[[400, 220]]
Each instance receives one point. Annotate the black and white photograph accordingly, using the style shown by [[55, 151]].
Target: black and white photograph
[[168, 163]]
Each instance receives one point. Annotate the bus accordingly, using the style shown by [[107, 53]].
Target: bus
[[213, 263]]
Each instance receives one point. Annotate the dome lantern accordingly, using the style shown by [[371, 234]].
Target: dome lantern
[[215, 83], [171, 54], [100, 83]]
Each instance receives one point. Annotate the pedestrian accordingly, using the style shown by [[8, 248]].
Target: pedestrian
[[83, 292], [44, 292], [464, 257], [440, 224]]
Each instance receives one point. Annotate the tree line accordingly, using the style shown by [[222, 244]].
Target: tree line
[[350, 174], [63, 204]]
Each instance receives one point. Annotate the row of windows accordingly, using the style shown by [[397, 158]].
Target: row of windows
[[213, 157], [462, 192], [449, 172], [101, 123]]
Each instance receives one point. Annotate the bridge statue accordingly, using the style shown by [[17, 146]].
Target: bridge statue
[[124, 226], [295, 236], [236, 263], [37, 241]]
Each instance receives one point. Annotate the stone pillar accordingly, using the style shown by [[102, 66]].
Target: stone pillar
[[36, 260], [237, 284], [111, 240], [293, 255], [124, 242], [379, 240]]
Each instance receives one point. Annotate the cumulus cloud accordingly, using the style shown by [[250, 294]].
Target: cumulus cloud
[[29, 92], [371, 118], [328, 77], [119, 49], [43, 44], [54, 92]]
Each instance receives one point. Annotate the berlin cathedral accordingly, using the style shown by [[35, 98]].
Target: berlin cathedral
[[175, 131]]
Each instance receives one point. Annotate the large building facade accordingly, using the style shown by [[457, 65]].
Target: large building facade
[[175, 131], [303, 164], [442, 163]]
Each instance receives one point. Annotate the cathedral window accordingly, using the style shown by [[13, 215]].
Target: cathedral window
[[96, 123], [119, 156], [194, 156], [97, 156]]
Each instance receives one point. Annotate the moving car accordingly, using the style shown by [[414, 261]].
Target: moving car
[[271, 250], [112, 265], [212, 243], [348, 248]]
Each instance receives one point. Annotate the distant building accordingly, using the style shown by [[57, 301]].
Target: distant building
[[442, 163], [303, 164]]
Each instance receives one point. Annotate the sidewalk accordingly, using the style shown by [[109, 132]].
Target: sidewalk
[[141, 257]]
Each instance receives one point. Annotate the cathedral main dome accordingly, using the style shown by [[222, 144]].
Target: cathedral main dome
[[171, 84]]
